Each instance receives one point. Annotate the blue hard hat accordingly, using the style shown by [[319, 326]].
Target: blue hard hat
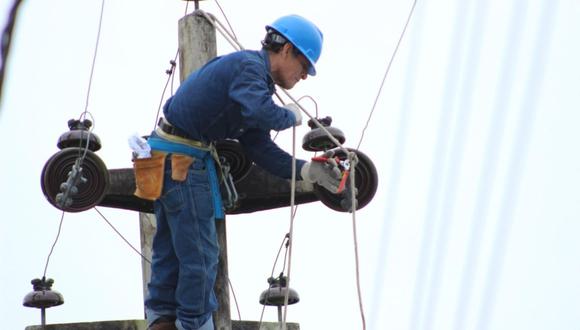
[[303, 34]]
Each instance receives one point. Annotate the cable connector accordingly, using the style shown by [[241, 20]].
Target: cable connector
[[70, 187], [172, 68]]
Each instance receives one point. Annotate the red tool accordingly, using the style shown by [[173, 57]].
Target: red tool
[[343, 165]]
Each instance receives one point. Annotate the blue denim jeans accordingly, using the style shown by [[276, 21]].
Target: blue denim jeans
[[185, 251]]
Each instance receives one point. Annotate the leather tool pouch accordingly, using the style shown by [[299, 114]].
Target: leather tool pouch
[[179, 166], [149, 175]]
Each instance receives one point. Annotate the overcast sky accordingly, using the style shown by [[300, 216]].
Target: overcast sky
[[475, 138]]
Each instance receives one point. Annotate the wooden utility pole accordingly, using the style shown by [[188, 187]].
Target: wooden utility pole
[[197, 45]]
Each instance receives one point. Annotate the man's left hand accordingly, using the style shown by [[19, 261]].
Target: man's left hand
[[295, 109]]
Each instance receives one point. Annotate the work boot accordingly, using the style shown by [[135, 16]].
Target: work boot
[[163, 323]]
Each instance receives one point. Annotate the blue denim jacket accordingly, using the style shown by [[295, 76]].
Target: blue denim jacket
[[231, 98]]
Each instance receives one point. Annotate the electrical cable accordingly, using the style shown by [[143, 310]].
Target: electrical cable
[[391, 200], [230, 38], [285, 241], [471, 19], [90, 131], [292, 216], [355, 239], [235, 299], [93, 64], [491, 156], [95, 55], [6, 41], [227, 20], [171, 75], [122, 237], [526, 117], [387, 72], [170, 72], [353, 196], [434, 197], [313, 101], [53, 244], [79, 160]]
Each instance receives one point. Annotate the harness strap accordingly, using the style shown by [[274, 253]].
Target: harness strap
[[205, 155]]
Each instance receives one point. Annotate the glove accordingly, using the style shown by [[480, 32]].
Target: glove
[[326, 174], [296, 111]]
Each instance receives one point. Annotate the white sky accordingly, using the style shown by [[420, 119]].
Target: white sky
[[475, 137]]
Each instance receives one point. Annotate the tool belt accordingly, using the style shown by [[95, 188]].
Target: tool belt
[[149, 175], [160, 144], [149, 172]]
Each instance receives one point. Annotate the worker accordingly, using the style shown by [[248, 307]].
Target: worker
[[228, 98]]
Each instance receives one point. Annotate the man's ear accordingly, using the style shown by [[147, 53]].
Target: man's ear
[[287, 49]]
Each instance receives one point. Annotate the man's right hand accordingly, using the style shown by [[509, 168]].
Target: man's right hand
[[326, 174]]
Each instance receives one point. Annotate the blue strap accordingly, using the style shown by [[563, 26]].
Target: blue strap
[[173, 147]]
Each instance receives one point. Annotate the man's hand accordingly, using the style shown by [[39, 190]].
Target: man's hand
[[325, 173], [296, 111]]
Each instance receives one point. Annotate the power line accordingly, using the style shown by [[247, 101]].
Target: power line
[[122, 237], [53, 244], [95, 55], [527, 115], [487, 177], [469, 67], [387, 72], [6, 41], [391, 200], [438, 164]]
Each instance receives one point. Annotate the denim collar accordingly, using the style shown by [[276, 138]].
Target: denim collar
[[264, 55]]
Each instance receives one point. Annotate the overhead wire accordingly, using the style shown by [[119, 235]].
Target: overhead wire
[[235, 298], [95, 55], [171, 73], [6, 41], [489, 167], [398, 157], [53, 244], [171, 76], [286, 242], [292, 216], [411, 11], [227, 20], [85, 150], [83, 115], [525, 124], [353, 168], [473, 21], [85, 112], [121, 235], [434, 195]]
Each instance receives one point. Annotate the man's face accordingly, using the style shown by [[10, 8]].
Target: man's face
[[294, 68]]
